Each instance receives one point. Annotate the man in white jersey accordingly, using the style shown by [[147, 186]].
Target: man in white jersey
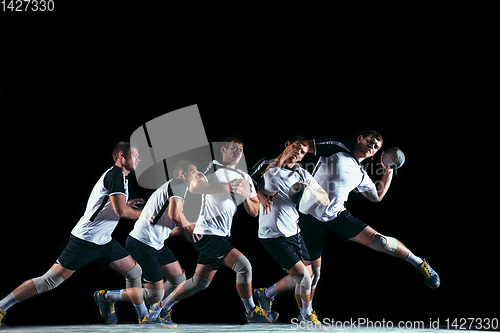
[[279, 232], [228, 186], [339, 171], [161, 215], [91, 238]]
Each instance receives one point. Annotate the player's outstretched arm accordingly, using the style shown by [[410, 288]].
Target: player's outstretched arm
[[119, 202]]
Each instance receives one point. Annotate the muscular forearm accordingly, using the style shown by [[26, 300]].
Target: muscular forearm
[[384, 183], [130, 213], [252, 206], [181, 220]]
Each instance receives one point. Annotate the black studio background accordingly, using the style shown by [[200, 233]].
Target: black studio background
[[66, 102]]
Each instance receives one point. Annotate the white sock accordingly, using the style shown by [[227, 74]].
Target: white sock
[[249, 305], [306, 309], [8, 301], [271, 292], [141, 310], [168, 302], [114, 295], [413, 259]]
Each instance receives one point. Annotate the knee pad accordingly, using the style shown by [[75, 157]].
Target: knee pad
[[315, 279], [48, 281], [383, 244], [290, 284], [152, 296], [243, 270], [303, 283], [173, 282], [133, 277], [195, 284]]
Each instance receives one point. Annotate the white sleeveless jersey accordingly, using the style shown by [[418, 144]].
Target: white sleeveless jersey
[[217, 210]]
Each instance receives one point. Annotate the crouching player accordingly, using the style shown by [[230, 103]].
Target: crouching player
[[91, 238], [279, 232], [161, 217]]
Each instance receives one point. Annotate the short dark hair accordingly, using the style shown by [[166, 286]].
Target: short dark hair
[[295, 138], [121, 146], [230, 139], [182, 165], [373, 133]]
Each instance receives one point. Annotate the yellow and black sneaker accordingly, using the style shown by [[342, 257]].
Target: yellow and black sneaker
[[431, 278], [166, 319], [265, 303], [106, 308], [258, 316], [2, 315], [312, 323]]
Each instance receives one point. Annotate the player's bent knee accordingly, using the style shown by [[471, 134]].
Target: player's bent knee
[[177, 280], [383, 243], [173, 282], [196, 284], [303, 282], [133, 277], [243, 270], [48, 281], [152, 296]]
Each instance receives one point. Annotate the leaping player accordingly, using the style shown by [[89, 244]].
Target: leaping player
[[339, 171], [91, 238]]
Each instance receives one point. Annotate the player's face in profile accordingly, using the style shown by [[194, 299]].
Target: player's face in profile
[[132, 159], [191, 173], [368, 145], [232, 154]]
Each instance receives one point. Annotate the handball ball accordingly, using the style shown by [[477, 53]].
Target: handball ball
[[393, 158]]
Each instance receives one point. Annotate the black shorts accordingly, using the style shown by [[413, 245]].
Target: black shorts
[[150, 259], [286, 251], [346, 226], [79, 253], [212, 249]]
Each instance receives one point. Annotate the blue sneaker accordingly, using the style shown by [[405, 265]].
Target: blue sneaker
[[106, 308], [431, 278], [166, 319], [273, 315], [154, 311], [265, 303]]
